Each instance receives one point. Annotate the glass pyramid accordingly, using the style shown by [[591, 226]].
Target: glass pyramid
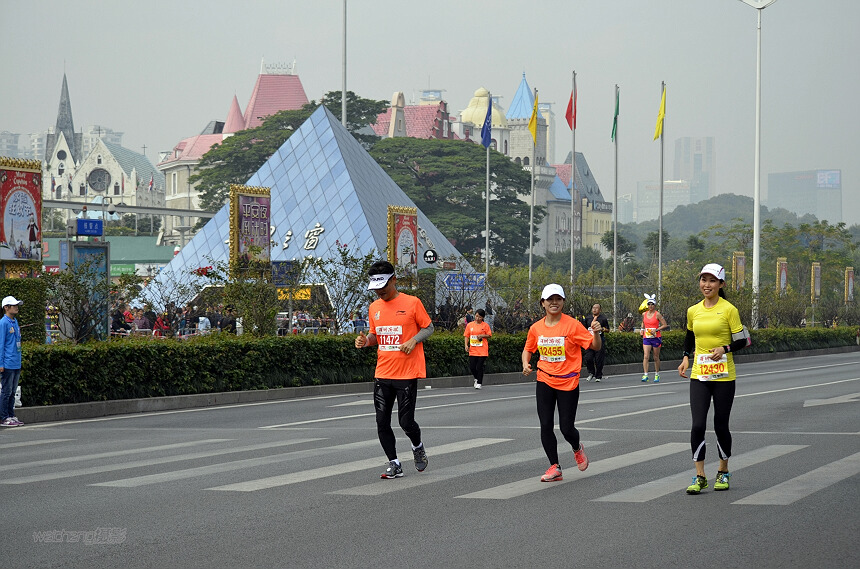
[[320, 178]]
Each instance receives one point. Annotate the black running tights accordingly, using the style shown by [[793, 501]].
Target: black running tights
[[547, 397], [701, 393], [476, 366], [405, 392]]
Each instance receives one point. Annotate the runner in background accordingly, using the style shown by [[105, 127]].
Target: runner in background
[[714, 332], [476, 338], [558, 339], [594, 358], [652, 324]]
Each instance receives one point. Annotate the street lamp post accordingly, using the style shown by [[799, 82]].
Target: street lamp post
[[759, 5]]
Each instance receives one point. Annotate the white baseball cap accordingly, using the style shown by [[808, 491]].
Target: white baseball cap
[[379, 281], [10, 300], [714, 269], [550, 290]]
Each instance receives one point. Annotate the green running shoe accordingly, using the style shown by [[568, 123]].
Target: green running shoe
[[722, 481], [699, 484]]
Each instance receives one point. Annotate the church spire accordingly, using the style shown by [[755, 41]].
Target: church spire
[[65, 123]]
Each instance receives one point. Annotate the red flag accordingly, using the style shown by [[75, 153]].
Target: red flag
[[570, 114], [150, 181]]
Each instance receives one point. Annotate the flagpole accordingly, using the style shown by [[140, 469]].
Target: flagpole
[[532, 211], [573, 196], [660, 223], [615, 223], [487, 228]]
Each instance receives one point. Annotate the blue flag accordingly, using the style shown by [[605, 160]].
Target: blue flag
[[486, 130]]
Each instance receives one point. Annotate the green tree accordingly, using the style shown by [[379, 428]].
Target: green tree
[[625, 245], [652, 245], [446, 179], [345, 277]]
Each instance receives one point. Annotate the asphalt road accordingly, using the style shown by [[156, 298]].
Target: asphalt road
[[296, 483]]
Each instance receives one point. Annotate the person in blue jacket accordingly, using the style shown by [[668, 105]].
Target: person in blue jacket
[[10, 361]]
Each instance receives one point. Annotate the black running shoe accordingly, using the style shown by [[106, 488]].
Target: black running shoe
[[420, 458], [394, 470]]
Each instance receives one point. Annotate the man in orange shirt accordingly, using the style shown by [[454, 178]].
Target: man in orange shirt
[[558, 339], [475, 337], [399, 324]]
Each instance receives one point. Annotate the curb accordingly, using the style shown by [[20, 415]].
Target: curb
[[75, 411]]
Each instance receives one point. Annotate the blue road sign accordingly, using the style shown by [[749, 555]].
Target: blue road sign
[[465, 281], [93, 227]]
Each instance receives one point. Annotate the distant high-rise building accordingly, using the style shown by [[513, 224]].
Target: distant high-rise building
[[675, 193], [818, 192], [9, 144], [95, 132], [695, 161]]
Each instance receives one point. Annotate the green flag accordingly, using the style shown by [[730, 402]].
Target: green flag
[[615, 120]]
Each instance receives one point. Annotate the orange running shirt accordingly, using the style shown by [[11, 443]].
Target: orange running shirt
[[394, 322], [559, 346], [650, 325], [478, 347]]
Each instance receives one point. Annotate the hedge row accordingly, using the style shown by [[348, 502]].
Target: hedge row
[[140, 367]]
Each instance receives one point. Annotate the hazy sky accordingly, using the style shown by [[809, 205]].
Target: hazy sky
[[159, 71]]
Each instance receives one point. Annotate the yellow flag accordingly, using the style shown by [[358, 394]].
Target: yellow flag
[[658, 130], [533, 121]]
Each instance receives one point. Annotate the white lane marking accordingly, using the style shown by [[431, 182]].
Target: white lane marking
[[31, 443], [336, 469], [533, 484], [369, 401], [850, 398], [439, 475], [135, 464], [111, 454], [678, 482], [236, 464], [806, 484]]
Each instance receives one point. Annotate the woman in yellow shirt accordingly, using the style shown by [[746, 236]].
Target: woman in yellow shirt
[[714, 332]]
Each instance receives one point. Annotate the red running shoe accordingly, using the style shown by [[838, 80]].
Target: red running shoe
[[553, 474], [581, 459]]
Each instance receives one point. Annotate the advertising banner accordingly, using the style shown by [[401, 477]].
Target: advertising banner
[[781, 275], [21, 209], [403, 239], [739, 265], [849, 284], [250, 236], [816, 281]]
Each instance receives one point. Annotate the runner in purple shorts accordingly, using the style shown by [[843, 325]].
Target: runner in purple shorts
[[652, 323]]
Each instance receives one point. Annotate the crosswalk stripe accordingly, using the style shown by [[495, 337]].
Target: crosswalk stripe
[[137, 464], [678, 482], [533, 484], [334, 470], [433, 475], [235, 465], [31, 443], [802, 486], [111, 454]]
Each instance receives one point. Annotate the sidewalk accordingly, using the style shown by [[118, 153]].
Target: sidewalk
[[95, 409]]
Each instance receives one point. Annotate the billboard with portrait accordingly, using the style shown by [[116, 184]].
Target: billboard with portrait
[[20, 209], [403, 239], [250, 234]]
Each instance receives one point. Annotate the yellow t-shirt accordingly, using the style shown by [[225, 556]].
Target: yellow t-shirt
[[713, 327]]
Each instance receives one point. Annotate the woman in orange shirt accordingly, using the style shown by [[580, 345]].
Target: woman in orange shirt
[[475, 338], [558, 339]]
